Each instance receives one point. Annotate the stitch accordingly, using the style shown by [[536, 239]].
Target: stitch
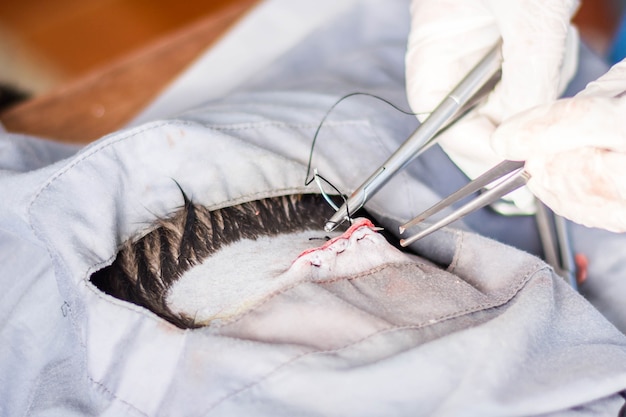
[[346, 235], [263, 125], [269, 123], [351, 278], [381, 332], [146, 313], [60, 174], [91, 151], [363, 274], [325, 238], [94, 149], [478, 307], [244, 107], [115, 397], [82, 344], [506, 296]]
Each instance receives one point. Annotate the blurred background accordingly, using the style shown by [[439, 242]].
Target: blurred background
[[44, 44]]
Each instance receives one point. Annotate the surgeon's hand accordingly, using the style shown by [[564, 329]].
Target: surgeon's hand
[[448, 37], [575, 151]]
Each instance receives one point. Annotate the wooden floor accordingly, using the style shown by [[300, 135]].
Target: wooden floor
[[66, 39]]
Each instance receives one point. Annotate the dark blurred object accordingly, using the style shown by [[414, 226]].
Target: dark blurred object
[[10, 96]]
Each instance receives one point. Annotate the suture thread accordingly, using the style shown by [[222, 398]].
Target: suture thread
[[317, 177]]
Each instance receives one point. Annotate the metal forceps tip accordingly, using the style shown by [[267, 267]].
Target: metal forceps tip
[[511, 175], [468, 93]]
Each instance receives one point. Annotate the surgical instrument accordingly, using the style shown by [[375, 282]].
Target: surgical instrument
[[555, 241], [552, 228], [453, 106], [512, 175]]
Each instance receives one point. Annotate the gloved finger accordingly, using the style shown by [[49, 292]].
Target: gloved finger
[[535, 35], [448, 37], [561, 126], [586, 185], [611, 84]]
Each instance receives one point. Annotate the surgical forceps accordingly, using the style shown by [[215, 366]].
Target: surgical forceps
[[511, 176], [472, 88]]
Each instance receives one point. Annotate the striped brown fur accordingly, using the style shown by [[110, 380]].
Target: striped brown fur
[[146, 267]]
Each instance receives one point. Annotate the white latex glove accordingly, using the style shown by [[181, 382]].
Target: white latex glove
[[448, 37], [575, 151]]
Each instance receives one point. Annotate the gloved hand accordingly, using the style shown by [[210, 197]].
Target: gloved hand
[[575, 151], [448, 37]]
